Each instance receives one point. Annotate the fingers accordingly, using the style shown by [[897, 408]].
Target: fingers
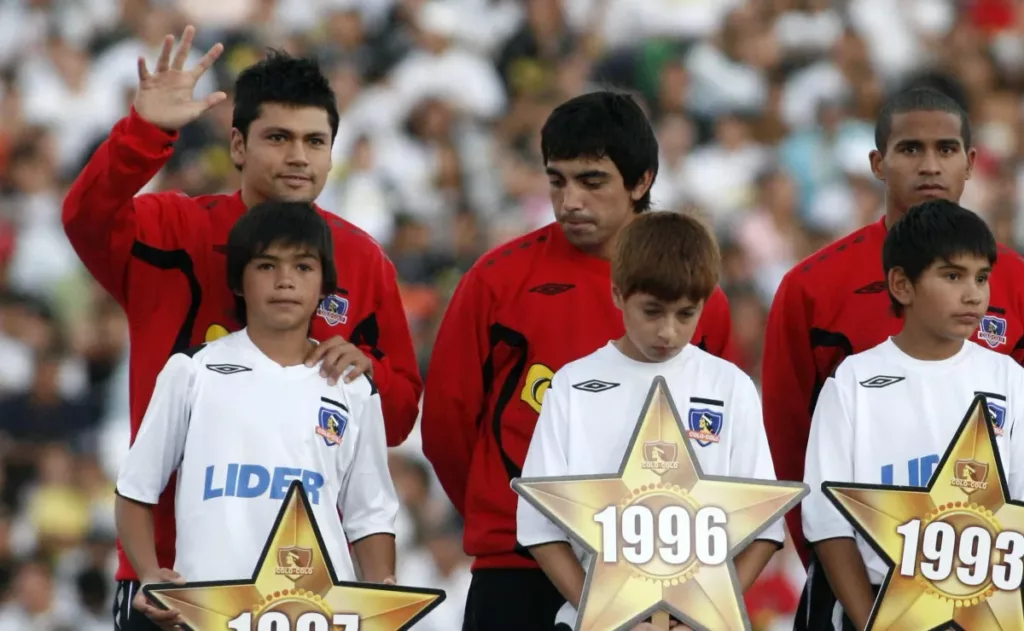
[[184, 48], [208, 60], [317, 353], [162, 617], [215, 99], [360, 365], [163, 62], [337, 361], [143, 71]]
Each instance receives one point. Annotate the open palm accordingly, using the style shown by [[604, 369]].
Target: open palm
[[165, 97]]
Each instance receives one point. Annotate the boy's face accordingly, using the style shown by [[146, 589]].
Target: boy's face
[[590, 200], [282, 287], [925, 159], [658, 329], [286, 156], [949, 299]]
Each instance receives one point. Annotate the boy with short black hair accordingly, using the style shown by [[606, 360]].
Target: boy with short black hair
[[664, 269], [888, 413], [242, 417]]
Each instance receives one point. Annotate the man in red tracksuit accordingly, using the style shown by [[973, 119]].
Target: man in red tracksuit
[[523, 311], [835, 302], [162, 255]]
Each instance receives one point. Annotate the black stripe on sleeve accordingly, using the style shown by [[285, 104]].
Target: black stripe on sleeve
[[707, 401], [990, 395], [334, 403]]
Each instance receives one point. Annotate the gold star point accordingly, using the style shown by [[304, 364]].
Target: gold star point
[[294, 578], [967, 500], [660, 476]]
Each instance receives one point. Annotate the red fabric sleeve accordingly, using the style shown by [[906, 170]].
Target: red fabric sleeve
[[787, 387], [395, 369], [102, 216], [454, 397], [716, 326], [1013, 264]]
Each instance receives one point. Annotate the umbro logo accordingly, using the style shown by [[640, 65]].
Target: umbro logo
[[881, 381], [227, 369], [876, 287], [551, 289], [595, 385]]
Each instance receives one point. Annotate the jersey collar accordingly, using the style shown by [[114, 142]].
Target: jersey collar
[[265, 363]]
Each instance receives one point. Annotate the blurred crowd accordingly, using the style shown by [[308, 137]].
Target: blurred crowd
[[764, 111]]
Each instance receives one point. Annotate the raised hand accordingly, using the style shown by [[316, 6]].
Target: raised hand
[[165, 97]]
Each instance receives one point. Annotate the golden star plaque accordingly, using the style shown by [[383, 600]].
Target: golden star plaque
[[294, 588], [955, 548], [660, 483]]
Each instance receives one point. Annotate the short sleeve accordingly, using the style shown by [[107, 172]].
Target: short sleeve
[[368, 501], [829, 459], [546, 457], [160, 443], [1014, 426], [749, 455]]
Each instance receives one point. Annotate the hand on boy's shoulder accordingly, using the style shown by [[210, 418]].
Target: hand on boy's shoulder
[[340, 358]]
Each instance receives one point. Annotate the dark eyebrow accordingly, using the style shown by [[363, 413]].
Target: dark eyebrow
[[916, 142], [585, 175], [952, 267], [289, 132], [306, 254]]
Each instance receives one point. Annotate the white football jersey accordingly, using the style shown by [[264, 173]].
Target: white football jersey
[[239, 428], [887, 418], [592, 408]]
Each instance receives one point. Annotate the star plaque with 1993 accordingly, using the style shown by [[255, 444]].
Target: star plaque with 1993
[[955, 548]]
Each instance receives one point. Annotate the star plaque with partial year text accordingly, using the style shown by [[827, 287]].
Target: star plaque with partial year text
[[294, 588]]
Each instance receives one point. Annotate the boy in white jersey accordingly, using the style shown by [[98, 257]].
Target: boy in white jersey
[[887, 415], [239, 419], [664, 269]]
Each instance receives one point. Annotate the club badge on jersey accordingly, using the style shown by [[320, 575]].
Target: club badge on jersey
[[998, 414], [331, 426], [334, 310], [992, 331], [705, 425]]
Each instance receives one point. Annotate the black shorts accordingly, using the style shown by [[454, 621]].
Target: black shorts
[[561, 626], [819, 609], [126, 618], [511, 600]]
